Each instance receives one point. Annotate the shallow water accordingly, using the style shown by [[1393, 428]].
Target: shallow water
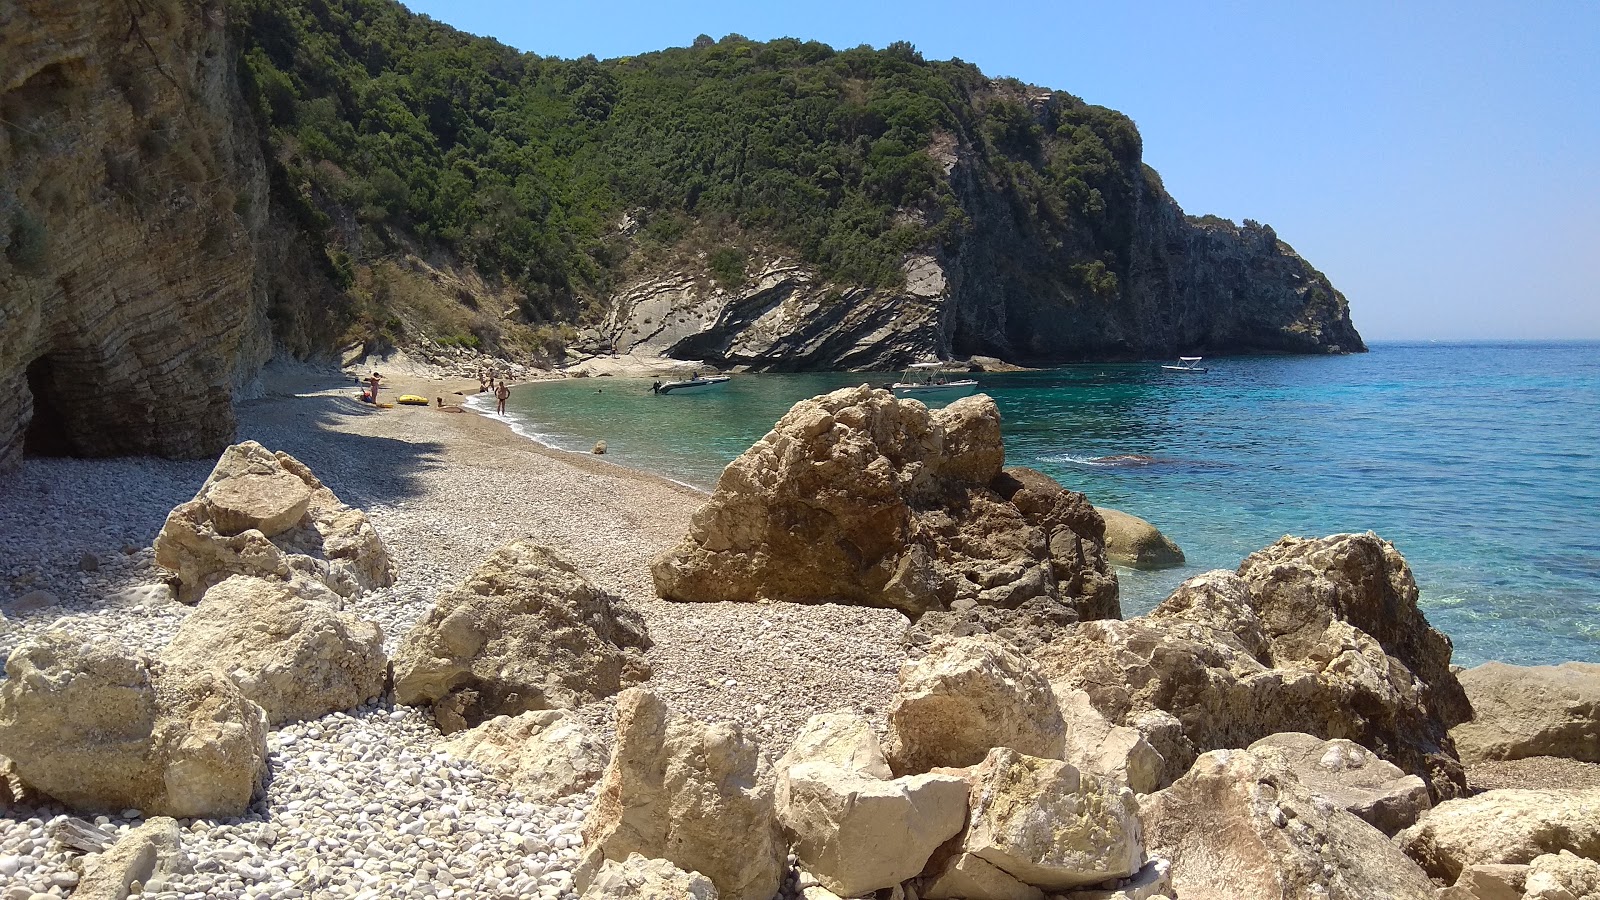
[[1478, 460]]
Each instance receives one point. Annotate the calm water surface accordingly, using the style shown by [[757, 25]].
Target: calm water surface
[[1478, 461]]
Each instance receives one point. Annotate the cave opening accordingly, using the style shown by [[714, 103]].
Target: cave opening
[[47, 433]]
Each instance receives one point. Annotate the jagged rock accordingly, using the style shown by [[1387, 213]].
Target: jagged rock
[[1044, 824], [151, 850], [1563, 876], [220, 532], [856, 497], [1098, 747], [841, 739], [525, 631], [1149, 883], [965, 697], [637, 878], [1134, 542], [1282, 646], [1239, 824], [1506, 826], [100, 730], [286, 645], [954, 874], [1488, 882], [685, 792], [545, 754], [1353, 777], [1523, 711]]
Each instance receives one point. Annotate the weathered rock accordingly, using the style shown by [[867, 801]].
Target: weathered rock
[[219, 533], [1523, 711], [637, 878], [154, 848], [1098, 747], [856, 497], [545, 754], [1134, 542], [1239, 824], [841, 739], [1354, 778], [1283, 646], [1048, 825], [1507, 826], [525, 631], [1151, 882], [286, 645], [685, 792], [100, 730], [954, 874], [1487, 882], [965, 697], [1563, 876]]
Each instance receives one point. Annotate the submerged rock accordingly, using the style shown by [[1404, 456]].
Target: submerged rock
[[1133, 542]]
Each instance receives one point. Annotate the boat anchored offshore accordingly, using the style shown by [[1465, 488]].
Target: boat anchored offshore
[[931, 381], [1187, 364], [696, 382]]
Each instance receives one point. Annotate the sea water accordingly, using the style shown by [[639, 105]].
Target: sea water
[[1481, 462]]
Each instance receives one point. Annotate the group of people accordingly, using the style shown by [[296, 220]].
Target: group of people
[[486, 382]]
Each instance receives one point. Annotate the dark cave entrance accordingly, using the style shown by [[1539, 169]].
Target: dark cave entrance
[[47, 433]]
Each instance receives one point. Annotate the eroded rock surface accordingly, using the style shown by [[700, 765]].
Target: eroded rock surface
[[525, 631], [545, 754], [856, 497], [152, 849], [239, 524], [1523, 711], [1353, 777], [637, 878]]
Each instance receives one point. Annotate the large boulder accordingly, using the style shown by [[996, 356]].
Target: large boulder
[[686, 792], [855, 829], [545, 754], [287, 645], [1506, 826], [1134, 542], [1352, 776], [965, 697], [856, 497], [1239, 824], [525, 631], [98, 728], [637, 878], [1523, 711], [1320, 636], [265, 514], [144, 855]]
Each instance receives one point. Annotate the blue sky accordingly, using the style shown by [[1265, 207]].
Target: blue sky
[[1439, 161]]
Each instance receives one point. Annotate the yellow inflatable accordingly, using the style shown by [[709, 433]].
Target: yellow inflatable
[[412, 400]]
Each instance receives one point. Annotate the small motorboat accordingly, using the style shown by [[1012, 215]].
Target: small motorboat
[[933, 381], [1187, 364], [697, 382]]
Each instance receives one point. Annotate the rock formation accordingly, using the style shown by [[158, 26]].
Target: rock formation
[[139, 857], [1505, 826], [1096, 746], [856, 497], [525, 631], [685, 792], [286, 646], [1562, 876], [545, 754], [1522, 711], [1350, 775], [1133, 542], [101, 730], [265, 514], [1312, 635], [1239, 824], [637, 878]]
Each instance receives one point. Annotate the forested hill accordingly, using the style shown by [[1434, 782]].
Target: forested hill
[[779, 204]]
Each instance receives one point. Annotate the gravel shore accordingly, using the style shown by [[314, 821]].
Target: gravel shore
[[360, 804]]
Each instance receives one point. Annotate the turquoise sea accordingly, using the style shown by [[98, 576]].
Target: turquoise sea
[[1481, 462]]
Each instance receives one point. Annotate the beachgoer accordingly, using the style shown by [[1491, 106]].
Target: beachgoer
[[440, 401], [656, 388], [374, 380], [501, 393]]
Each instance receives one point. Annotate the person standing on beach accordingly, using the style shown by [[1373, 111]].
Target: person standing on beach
[[500, 394]]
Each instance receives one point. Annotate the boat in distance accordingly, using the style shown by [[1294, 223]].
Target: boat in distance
[[696, 383], [930, 381], [1188, 364]]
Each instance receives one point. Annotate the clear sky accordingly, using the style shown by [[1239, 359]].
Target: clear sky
[[1440, 161]]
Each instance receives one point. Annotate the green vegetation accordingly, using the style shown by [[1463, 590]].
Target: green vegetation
[[524, 166]]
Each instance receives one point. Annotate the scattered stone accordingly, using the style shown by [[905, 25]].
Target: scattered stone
[[140, 857], [599, 448], [1508, 826], [285, 644], [88, 562], [525, 631], [1240, 824], [638, 878], [965, 697], [33, 601], [545, 754], [1525, 711], [685, 792], [1133, 542], [98, 729], [1353, 777]]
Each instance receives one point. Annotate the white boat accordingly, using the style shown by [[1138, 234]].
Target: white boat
[[696, 383], [1187, 364], [932, 381]]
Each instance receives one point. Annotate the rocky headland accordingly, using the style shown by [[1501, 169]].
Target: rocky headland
[[426, 658]]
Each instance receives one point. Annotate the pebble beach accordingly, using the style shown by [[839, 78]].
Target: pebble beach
[[363, 803]]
